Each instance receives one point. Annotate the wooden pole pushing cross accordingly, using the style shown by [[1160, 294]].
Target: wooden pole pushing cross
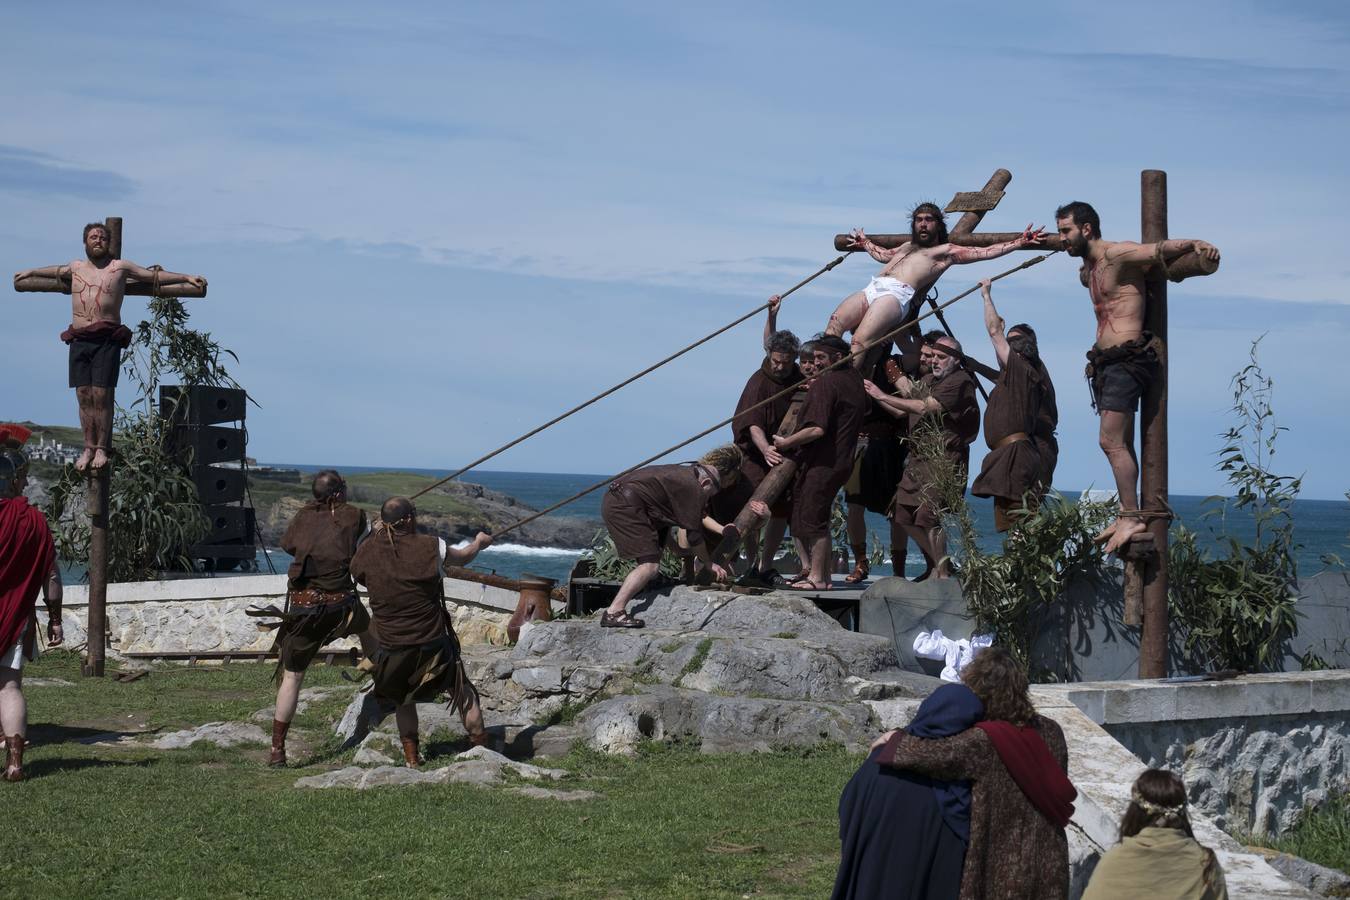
[[99, 482]]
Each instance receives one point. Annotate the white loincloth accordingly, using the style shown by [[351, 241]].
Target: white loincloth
[[884, 284]]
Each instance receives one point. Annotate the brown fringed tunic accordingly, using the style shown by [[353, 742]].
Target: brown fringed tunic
[[1012, 467], [960, 424], [836, 403]]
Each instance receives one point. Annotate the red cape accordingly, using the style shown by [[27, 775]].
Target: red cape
[[26, 557], [1035, 770]]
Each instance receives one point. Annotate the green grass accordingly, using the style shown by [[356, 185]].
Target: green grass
[[368, 491], [131, 822], [1322, 835]]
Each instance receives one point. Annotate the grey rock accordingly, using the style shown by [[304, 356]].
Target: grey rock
[[222, 734], [530, 790], [1325, 881], [789, 669], [378, 749], [894, 712], [539, 679], [721, 724]]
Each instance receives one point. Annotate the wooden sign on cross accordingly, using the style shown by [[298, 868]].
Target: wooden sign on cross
[[97, 286]]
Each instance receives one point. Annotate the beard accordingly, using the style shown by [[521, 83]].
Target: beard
[[96, 256]]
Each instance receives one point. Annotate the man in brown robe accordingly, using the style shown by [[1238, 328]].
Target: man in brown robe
[[752, 431], [944, 395], [419, 656], [878, 464], [641, 508], [321, 599], [823, 445], [1013, 470]]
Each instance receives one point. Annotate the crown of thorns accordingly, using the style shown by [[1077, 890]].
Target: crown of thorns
[[928, 206], [1156, 809]]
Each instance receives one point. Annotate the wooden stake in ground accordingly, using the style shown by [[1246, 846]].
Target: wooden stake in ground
[[97, 286]]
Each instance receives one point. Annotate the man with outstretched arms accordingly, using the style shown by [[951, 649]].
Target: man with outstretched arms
[[419, 655], [321, 596], [27, 566], [96, 335], [910, 271], [1124, 359]]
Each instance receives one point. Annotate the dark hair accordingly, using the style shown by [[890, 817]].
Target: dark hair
[[1025, 329], [831, 344], [396, 509], [1001, 684], [782, 342], [327, 483], [1082, 214], [929, 207], [13, 466], [91, 226], [1157, 800], [931, 337]]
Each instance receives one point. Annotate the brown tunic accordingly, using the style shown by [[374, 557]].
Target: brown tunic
[[835, 402], [1015, 852], [1014, 469], [1046, 423], [402, 572], [760, 387], [639, 507], [877, 469], [322, 542], [960, 424]]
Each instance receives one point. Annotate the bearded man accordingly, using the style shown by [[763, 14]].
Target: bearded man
[[1125, 358], [893, 296], [96, 334], [419, 655], [27, 565]]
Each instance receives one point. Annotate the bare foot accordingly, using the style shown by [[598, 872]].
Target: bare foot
[[83, 462], [1126, 528], [100, 460]]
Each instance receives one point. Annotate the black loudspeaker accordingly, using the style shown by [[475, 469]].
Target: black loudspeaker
[[202, 405], [216, 485], [209, 443], [228, 524]]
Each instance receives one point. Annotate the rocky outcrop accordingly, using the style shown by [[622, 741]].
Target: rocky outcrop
[[727, 671]]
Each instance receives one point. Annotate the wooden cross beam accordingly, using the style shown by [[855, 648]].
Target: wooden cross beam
[[99, 299]]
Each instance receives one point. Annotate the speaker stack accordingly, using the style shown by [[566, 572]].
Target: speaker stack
[[215, 454]]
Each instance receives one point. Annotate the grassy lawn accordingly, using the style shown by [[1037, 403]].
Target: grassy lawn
[[368, 491], [129, 821], [1322, 835]]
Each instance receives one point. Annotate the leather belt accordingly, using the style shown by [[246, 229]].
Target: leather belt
[[312, 597], [1011, 439]]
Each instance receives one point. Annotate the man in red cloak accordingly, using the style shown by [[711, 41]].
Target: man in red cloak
[[27, 566]]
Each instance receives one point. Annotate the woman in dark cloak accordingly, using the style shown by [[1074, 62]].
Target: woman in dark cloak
[[904, 835]]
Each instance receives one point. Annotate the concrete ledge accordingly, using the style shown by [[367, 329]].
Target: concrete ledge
[[1148, 702]]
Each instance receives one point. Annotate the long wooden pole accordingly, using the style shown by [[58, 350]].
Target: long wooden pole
[[1153, 436], [99, 487]]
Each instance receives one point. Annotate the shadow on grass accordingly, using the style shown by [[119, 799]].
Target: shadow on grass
[[57, 765], [52, 733]]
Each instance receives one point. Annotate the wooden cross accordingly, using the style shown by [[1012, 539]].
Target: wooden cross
[[1146, 559], [99, 479]]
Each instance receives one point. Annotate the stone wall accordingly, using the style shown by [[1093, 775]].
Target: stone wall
[[1254, 751], [207, 614]]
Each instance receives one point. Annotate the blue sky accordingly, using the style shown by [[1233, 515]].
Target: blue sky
[[431, 227]]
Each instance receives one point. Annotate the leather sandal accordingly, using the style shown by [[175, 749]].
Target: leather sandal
[[14, 757], [859, 573], [619, 620]]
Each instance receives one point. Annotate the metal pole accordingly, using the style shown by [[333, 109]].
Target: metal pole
[[1153, 436], [99, 485]]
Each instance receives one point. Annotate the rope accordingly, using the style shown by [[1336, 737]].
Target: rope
[[647, 371], [707, 431]]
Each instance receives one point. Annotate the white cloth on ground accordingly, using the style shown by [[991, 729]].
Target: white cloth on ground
[[884, 284], [957, 654]]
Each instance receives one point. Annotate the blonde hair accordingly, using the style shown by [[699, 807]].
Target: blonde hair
[[726, 459]]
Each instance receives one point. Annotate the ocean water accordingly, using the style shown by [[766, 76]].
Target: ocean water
[[1320, 526]]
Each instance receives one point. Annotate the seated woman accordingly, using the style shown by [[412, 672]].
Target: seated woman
[[1158, 856], [903, 836], [1021, 798]]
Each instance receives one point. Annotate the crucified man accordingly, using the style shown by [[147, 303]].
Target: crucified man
[[96, 335], [1125, 358], [910, 271]]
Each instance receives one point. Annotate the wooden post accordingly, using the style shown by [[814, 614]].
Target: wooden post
[[1153, 436], [99, 486]]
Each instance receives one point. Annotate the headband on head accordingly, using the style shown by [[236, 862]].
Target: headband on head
[[1156, 809]]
